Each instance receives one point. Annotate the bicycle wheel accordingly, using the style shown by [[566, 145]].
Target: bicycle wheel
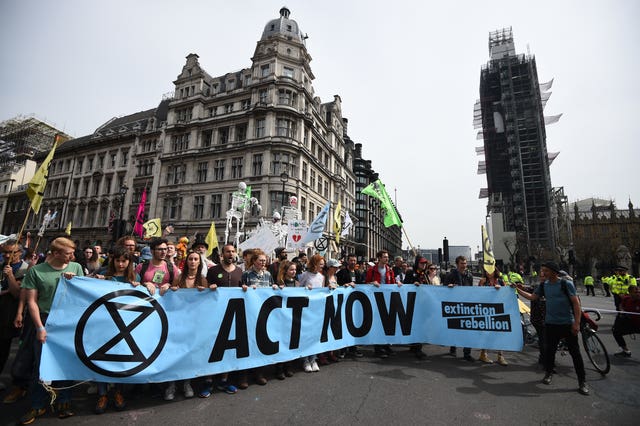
[[596, 351]]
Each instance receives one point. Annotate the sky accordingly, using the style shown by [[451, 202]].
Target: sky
[[407, 73]]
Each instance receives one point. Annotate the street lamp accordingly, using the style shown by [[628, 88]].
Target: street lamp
[[123, 193], [284, 177]]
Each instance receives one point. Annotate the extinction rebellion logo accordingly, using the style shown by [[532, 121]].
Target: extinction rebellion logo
[[476, 316], [121, 333]]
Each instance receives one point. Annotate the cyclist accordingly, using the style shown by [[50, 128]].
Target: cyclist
[[562, 320]]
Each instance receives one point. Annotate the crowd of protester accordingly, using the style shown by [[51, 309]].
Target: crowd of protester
[[162, 265]]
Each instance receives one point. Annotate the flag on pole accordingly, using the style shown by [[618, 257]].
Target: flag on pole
[[348, 224], [317, 226], [378, 191], [46, 220], [337, 225], [67, 230], [152, 228], [488, 261], [35, 189], [138, 229], [211, 239]]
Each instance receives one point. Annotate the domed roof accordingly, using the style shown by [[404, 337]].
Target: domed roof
[[283, 25]]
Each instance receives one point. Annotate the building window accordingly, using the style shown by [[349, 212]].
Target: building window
[[176, 174], [90, 164], [303, 206], [218, 170], [231, 84], [180, 142], [287, 97], [216, 205], [320, 185], [246, 104], [285, 127], [275, 200], [86, 187], [326, 189], [223, 135], [113, 160], [241, 132], [265, 70], [236, 167], [310, 212], [304, 173], [80, 164], [260, 128], [247, 80], [145, 167], [280, 162], [198, 207], [202, 172], [257, 164], [312, 183], [207, 138], [101, 162], [107, 185], [262, 96], [172, 208], [125, 157], [228, 108], [287, 72]]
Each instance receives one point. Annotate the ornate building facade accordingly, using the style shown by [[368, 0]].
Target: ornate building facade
[[262, 125]]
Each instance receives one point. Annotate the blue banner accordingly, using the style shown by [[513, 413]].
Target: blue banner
[[105, 331]]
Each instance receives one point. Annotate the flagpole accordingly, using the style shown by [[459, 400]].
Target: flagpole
[[24, 224], [415, 253]]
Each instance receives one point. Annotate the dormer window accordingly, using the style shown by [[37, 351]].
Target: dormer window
[[289, 28]]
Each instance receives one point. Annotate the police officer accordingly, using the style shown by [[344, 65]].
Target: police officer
[[620, 283]]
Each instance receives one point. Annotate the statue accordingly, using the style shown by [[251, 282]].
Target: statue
[[241, 203], [623, 257]]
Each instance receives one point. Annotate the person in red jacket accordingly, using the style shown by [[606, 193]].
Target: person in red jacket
[[381, 273], [627, 324]]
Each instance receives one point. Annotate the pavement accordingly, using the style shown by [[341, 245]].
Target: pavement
[[440, 390]]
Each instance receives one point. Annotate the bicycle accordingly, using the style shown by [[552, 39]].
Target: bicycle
[[593, 346]]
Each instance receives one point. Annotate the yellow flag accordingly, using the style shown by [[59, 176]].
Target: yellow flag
[[152, 228], [67, 230], [337, 224], [211, 239], [489, 262], [35, 190]]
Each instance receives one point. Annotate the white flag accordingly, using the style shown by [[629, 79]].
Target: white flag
[[347, 225]]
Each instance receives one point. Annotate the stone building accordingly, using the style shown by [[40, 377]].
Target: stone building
[[262, 125], [604, 236]]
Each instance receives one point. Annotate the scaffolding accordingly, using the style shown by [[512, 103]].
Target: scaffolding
[[22, 138]]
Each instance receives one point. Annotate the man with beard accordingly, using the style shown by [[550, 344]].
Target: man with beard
[[224, 274]]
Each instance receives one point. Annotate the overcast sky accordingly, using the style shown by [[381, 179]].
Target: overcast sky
[[407, 72]]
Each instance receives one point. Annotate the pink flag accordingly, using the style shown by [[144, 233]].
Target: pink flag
[[138, 229]]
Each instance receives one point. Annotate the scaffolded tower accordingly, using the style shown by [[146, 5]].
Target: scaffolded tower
[[510, 113], [22, 138]]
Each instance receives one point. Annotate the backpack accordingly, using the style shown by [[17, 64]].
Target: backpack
[[565, 290], [145, 266]]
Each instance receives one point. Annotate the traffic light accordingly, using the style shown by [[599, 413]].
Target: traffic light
[[445, 249]]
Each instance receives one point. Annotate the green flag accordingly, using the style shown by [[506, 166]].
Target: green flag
[[377, 190]]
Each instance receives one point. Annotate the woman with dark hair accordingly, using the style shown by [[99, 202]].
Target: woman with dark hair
[[92, 260], [497, 282], [191, 275]]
